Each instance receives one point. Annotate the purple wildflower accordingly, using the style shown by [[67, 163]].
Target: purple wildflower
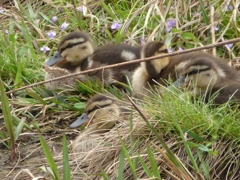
[[226, 7], [80, 8], [6, 31], [45, 49], [229, 45], [170, 50], [51, 34], [1, 9], [116, 25], [180, 49], [64, 26], [170, 24], [142, 40], [54, 19], [215, 29]]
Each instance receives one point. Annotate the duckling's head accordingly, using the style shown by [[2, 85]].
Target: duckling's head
[[199, 72], [101, 111], [153, 48], [72, 50], [153, 68]]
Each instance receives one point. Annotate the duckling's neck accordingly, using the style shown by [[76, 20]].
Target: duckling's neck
[[75, 67]]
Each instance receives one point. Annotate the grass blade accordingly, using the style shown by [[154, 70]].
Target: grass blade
[[124, 149], [66, 167], [8, 119], [204, 14], [121, 165], [19, 128], [146, 169], [105, 176], [49, 158], [153, 163]]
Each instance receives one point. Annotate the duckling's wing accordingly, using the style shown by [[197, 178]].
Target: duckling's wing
[[80, 120]]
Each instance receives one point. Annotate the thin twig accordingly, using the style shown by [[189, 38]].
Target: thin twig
[[127, 63], [213, 29]]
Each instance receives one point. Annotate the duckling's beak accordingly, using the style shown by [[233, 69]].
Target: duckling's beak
[[178, 83], [80, 121], [54, 59]]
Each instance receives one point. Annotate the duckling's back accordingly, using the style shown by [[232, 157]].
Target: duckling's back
[[114, 54]]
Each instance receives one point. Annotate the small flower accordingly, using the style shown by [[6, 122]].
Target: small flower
[[215, 29], [142, 40], [1, 9], [80, 8], [180, 49], [170, 50], [45, 49], [64, 26], [6, 31], [229, 45], [226, 7], [51, 34], [116, 25], [170, 24], [54, 19]]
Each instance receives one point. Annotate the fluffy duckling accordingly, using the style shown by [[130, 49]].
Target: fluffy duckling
[[73, 50], [76, 53], [210, 78], [163, 70], [101, 113], [149, 70]]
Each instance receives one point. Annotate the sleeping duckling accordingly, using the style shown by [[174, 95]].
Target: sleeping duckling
[[77, 53], [101, 112], [209, 78]]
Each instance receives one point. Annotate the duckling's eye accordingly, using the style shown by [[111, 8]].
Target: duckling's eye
[[163, 51], [194, 71], [84, 47], [70, 45]]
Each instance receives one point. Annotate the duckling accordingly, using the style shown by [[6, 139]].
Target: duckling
[[150, 70], [101, 112], [164, 69], [73, 50], [209, 78], [76, 52]]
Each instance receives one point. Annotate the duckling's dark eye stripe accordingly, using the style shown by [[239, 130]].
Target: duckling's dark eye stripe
[[163, 51], [195, 71], [97, 107], [70, 45]]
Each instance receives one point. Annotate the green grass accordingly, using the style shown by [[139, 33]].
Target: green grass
[[174, 115]]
